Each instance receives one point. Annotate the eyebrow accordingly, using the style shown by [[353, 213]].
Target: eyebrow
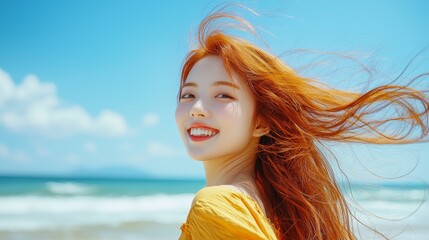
[[218, 83]]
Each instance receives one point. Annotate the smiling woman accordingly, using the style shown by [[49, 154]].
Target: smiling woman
[[257, 126]]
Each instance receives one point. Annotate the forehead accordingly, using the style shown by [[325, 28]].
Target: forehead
[[211, 69]]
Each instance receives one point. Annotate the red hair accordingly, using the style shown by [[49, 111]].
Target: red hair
[[291, 171]]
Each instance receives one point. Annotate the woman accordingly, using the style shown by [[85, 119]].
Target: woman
[[256, 126]]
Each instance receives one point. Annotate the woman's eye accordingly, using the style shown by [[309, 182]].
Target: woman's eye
[[187, 95], [223, 95]]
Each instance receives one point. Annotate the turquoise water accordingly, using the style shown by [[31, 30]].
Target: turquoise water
[[49, 186], [77, 208]]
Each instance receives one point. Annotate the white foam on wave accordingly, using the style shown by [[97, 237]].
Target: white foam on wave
[[68, 188], [42, 212], [396, 220], [21, 213], [390, 194]]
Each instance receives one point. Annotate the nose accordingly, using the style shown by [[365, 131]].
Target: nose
[[198, 110]]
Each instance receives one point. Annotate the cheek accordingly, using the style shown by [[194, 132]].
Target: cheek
[[237, 114], [236, 127]]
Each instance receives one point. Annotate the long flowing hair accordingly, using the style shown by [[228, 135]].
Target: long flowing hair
[[291, 170]]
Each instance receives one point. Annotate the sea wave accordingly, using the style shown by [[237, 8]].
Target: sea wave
[[43, 212], [389, 194], [74, 205], [68, 188]]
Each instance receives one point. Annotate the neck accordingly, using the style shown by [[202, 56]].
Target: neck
[[237, 170], [232, 170]]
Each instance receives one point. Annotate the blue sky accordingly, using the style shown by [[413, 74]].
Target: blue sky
[[90, 87]]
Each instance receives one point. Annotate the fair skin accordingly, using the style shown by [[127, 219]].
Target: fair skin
[[222, 109]]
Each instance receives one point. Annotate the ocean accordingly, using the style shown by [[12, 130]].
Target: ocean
[[77, 208]]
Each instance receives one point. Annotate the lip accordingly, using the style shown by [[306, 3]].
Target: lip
[[200, 138], [201, 125]]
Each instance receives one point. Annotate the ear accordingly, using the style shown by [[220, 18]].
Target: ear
[[260, 129]]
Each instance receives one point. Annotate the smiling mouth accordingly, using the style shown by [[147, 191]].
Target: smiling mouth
[[201, 134]]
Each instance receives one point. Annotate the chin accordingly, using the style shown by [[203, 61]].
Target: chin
[[199, 156], [198, 159]]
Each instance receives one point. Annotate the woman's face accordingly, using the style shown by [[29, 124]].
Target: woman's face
[[214, 114]]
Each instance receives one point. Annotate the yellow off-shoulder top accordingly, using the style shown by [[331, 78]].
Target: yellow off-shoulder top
[[221, 212]]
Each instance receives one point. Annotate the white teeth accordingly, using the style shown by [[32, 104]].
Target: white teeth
[[201, 132]]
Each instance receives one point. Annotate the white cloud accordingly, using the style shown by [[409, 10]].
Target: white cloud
[[150, 119], [34, 107], [43, 152], [72, 159], [90, 147], [126, 146], [163, 150], [7, 154]]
